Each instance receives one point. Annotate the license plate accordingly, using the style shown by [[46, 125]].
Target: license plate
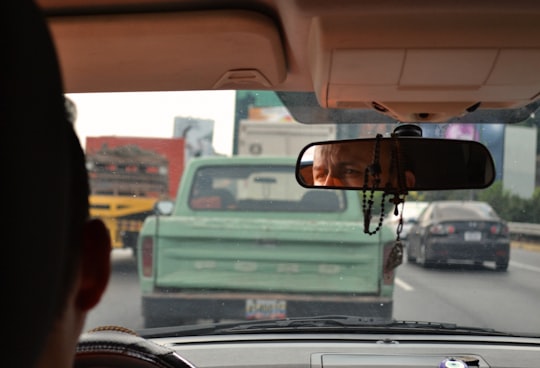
[[473, 236], [266, 309]]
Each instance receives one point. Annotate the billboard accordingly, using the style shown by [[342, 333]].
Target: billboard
[[197, 133], [520, 161]]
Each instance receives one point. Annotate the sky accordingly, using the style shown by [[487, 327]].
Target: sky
[[151, 114]]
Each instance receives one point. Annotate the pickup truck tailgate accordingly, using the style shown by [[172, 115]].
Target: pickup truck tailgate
[[267, 255]]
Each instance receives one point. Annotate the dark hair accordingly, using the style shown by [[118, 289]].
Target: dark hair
[[79, 212], [44, 184]]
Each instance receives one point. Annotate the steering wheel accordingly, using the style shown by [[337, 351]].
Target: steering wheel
[[118, 347]]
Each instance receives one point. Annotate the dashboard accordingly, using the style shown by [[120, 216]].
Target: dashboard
[[320, 350]]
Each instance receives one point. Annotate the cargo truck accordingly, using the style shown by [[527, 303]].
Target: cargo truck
[[127, 176]]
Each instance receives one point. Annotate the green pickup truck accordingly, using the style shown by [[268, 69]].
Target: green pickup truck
[[245, 241]]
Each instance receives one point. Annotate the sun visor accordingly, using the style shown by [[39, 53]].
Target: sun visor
[[425, 67], [169, 51]]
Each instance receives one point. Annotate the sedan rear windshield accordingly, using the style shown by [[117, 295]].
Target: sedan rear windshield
[[463, 211]]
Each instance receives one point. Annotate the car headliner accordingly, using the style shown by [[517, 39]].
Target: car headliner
[[415, 61]]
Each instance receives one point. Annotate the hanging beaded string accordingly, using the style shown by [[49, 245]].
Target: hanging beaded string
[[395, 257], [373, 170], [400, 194]]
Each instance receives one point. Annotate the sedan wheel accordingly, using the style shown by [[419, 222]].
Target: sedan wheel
[[410, 257], [422, 257], [501, 265]]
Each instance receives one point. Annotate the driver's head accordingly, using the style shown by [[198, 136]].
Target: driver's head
[[56, 259]]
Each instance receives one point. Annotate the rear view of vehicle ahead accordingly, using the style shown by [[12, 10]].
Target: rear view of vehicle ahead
[[457, 231], [246, 242], [126, 181]]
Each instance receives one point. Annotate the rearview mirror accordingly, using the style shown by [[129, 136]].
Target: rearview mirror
[[396, 164]]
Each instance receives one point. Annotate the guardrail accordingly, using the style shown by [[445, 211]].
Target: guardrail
[[524, 230]]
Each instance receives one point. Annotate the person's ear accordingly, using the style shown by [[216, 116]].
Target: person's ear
[[95, 264], [410, 179]]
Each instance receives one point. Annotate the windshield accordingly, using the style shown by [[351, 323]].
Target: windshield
[[245, 241]]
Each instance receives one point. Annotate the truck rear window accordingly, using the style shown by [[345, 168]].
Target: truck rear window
[[256, 188]]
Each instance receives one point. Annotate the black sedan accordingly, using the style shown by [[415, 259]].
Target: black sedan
[[458, 231]]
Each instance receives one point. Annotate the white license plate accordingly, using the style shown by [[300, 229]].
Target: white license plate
[[473, 236], [266, 309]]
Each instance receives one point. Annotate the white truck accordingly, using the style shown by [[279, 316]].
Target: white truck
[[278, 138]]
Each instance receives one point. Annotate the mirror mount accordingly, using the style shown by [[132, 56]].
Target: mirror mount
[[408, 130]]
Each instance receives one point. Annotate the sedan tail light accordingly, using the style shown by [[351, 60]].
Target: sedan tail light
[[442, 229], [499, 229]]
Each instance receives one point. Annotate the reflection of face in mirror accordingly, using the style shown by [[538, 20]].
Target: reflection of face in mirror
[[340, 165], [344, 165]]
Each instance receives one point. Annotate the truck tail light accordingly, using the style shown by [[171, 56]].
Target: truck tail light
[[147, 254]]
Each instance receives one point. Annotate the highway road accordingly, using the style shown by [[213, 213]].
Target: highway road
[[471, 296]]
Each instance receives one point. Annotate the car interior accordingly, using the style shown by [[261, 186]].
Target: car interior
[[374, 63]]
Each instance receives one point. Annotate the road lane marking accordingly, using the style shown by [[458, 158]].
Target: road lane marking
[[524, 266], [402, 284]]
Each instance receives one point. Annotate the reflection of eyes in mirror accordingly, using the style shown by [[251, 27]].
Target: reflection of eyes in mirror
[[408, 163], [338, 175]]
